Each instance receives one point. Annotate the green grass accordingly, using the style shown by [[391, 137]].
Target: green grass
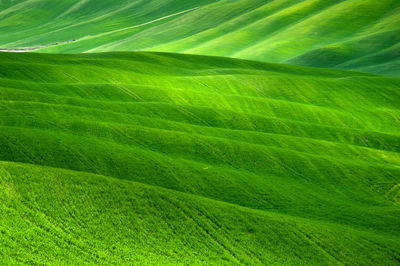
[[169, 158], [349, 34]]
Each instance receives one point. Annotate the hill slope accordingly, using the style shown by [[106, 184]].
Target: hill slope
[[349, 34], [116, 157]]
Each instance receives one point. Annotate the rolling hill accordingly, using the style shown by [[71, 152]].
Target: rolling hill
[[349, 34], [111, 158], [207, 132]]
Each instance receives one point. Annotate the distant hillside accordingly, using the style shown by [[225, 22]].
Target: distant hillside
[[350, 34], [165, 158]]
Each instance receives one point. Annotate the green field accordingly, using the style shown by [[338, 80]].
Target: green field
[[349, 34], [171, 132], [139, 157]]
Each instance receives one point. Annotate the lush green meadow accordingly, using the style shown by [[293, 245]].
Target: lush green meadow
[[200, 132], [350, 34], [182, 159]]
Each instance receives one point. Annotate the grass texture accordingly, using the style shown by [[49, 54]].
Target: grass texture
[[349, 34], [183, 159]]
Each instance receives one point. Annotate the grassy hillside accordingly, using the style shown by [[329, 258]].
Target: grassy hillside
[[154, 157], [349, 34]]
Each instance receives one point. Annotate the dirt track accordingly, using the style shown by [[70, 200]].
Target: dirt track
[[27, 49]]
